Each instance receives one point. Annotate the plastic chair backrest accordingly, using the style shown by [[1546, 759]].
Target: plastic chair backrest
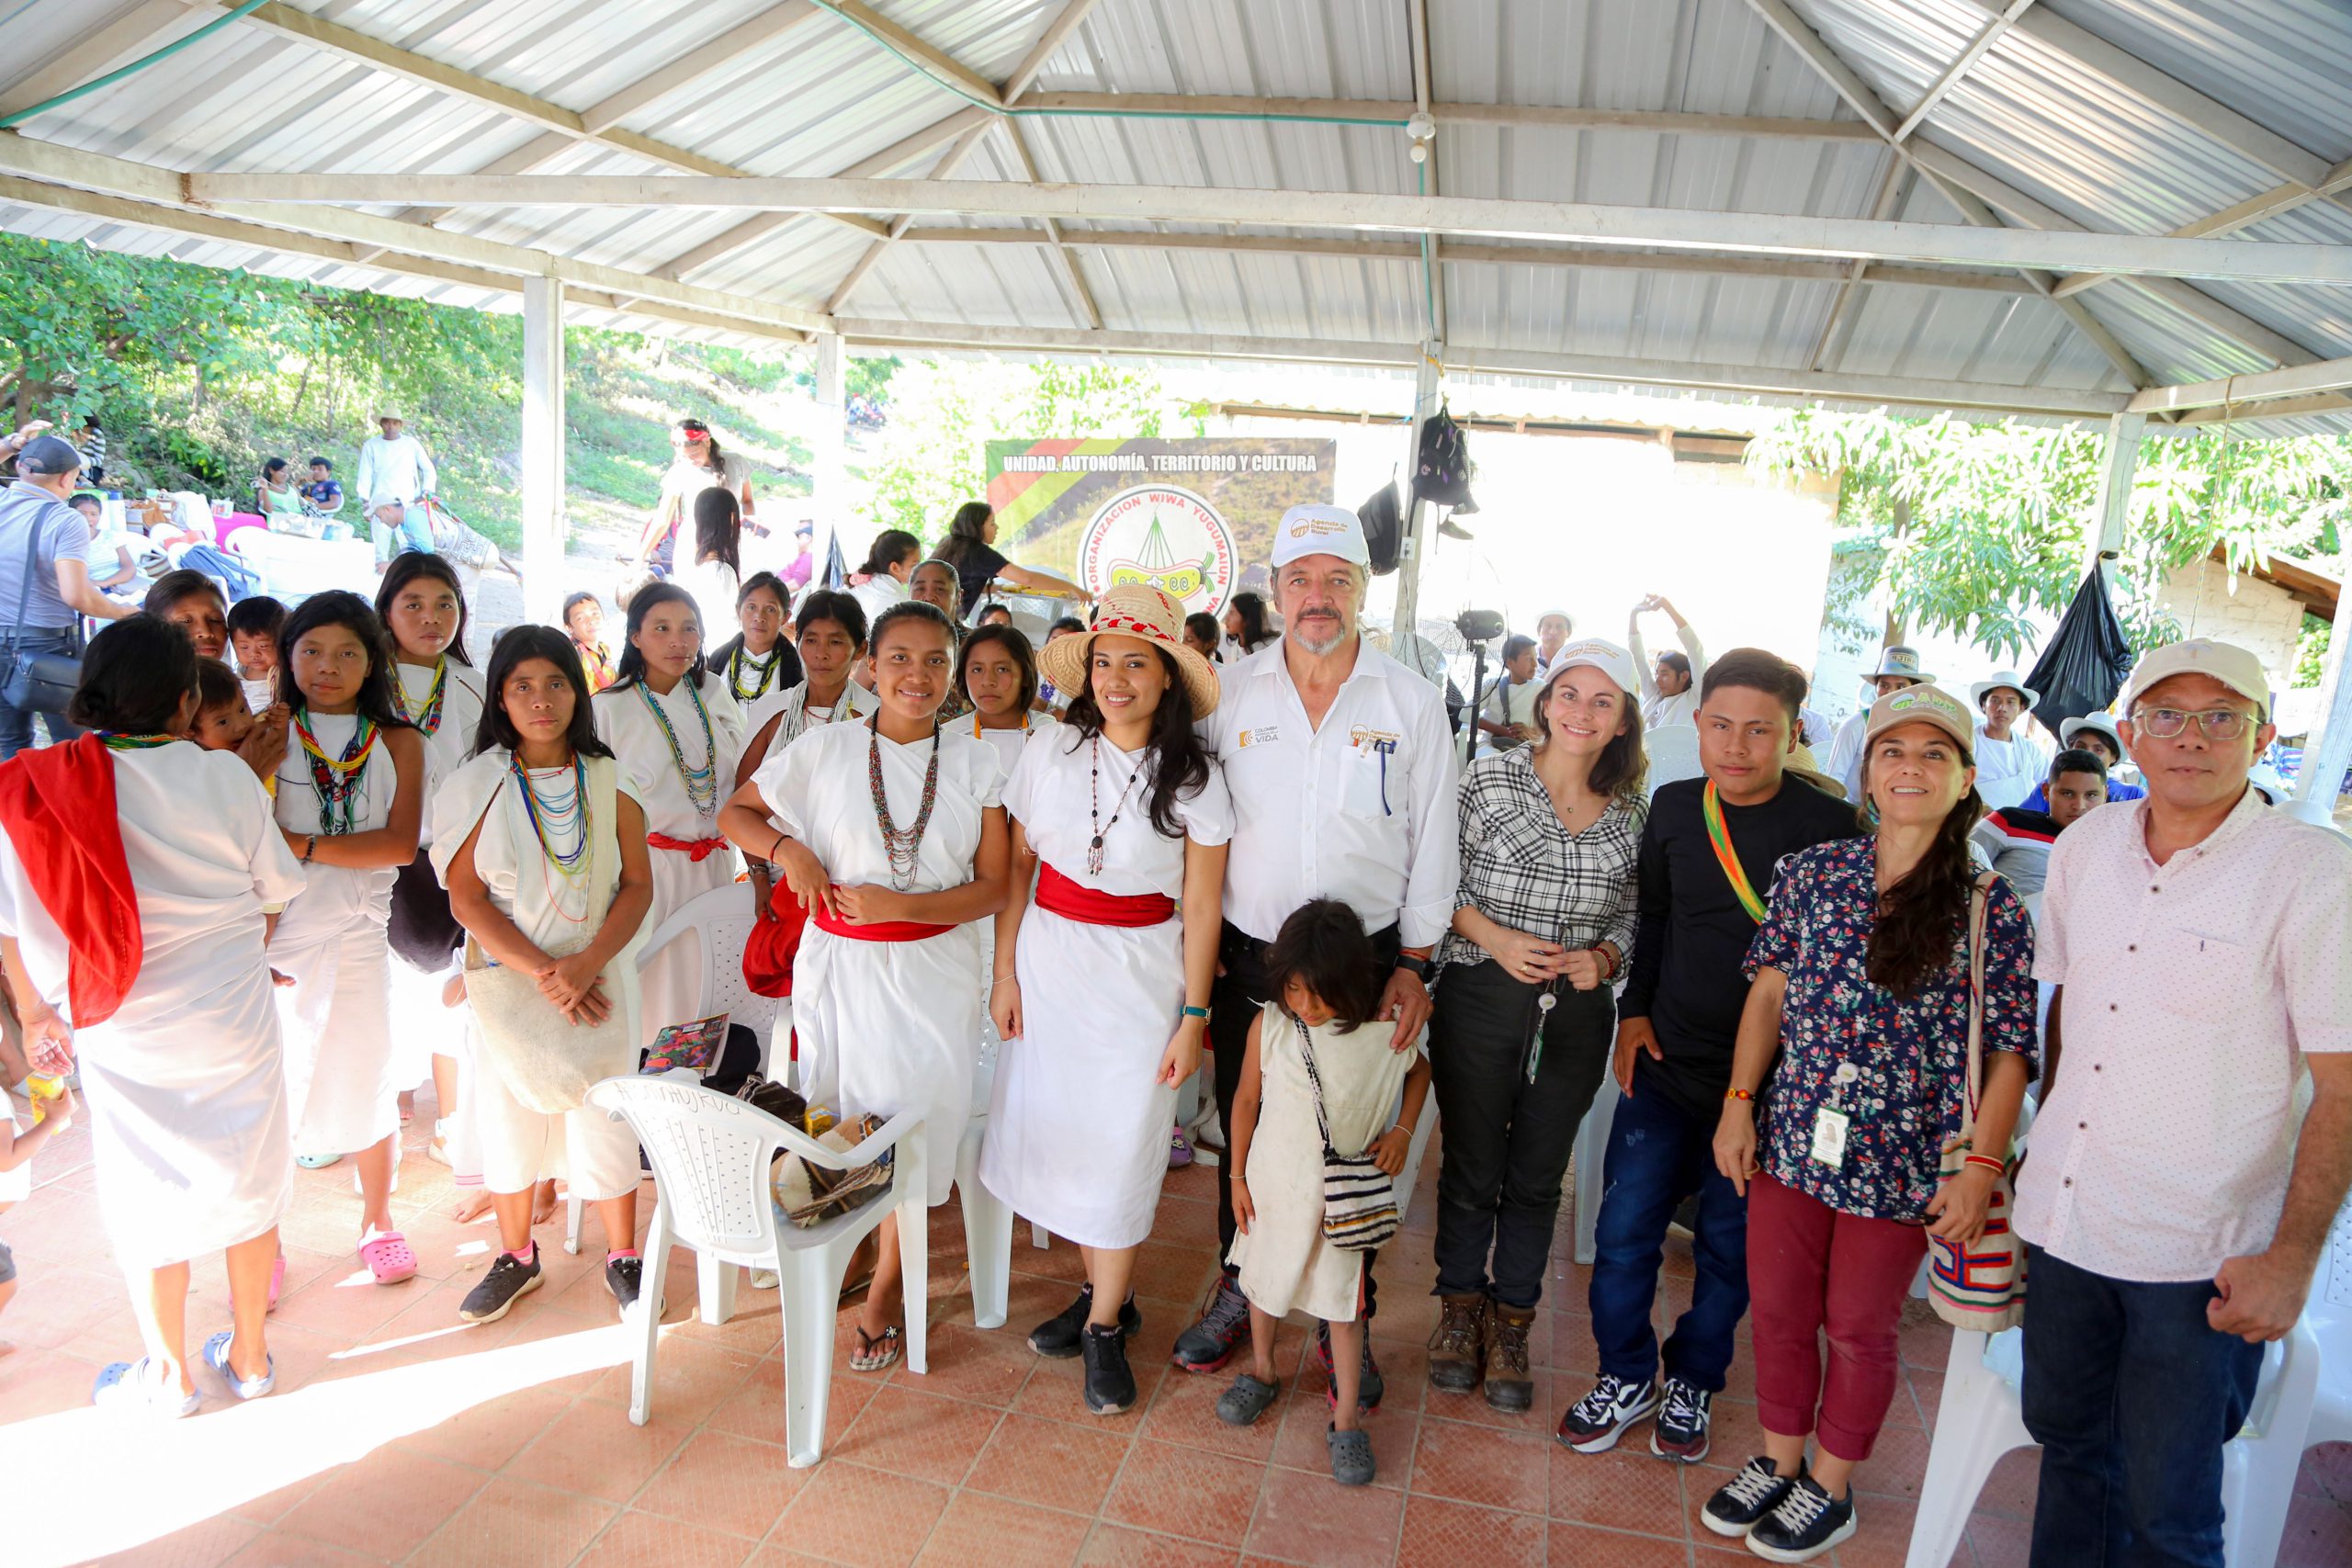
[[710, 1154], [2335, 1283], [723, 918]]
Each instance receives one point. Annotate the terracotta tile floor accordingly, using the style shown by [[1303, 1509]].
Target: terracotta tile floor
[[398, 1436]]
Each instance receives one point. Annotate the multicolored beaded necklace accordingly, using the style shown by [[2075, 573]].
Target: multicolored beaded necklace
[[702, 784], [767, 675], [335, 780], [428, 717], [904, 844], [115, 742], [555, 818]]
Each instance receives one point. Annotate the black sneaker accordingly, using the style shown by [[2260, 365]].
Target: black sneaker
[[1594, 1423], [1059, 1335], [623, 1276], [509, 1279], [1807, 1523], [1109, 1381], [1682, 1429], [1370, 1385], [1740, 1503], [1209, 1343]]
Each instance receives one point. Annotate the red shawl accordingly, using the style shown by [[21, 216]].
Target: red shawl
[[57, 806]]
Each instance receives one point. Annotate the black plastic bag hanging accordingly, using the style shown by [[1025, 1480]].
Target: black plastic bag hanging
[[1383, 529], [2086, 662]]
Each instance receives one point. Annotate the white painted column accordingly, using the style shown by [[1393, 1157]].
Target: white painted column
[[2327, 751], [544, 527], [2117, 462], [829, 462], [1416, 529]]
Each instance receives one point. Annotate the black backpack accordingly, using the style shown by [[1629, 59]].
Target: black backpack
[[1443, 472], [1383, 529]]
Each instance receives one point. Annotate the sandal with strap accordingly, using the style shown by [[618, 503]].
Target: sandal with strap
[[139, 1387], [875, 1352], [216, 1356], [389, 1259]]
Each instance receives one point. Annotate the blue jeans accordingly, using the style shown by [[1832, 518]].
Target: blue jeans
[[17, 724], [1659, 1155], [2132, 1396]]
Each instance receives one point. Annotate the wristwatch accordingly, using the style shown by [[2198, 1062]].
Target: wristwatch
[[1419, 966]]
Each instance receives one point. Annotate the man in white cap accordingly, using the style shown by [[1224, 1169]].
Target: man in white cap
[[2009, 762], [2201, 948], [2095, 733], [1897, 668], [1343, 777], [1552, 629], [395, 474]]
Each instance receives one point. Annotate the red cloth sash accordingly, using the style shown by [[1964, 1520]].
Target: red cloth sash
[[700, 849], [57, 806], [875, 930], [1072, 902]]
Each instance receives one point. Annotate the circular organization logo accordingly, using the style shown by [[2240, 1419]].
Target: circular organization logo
[[1164, 535]]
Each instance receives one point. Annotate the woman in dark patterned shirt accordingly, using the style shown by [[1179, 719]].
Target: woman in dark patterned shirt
[[1524, 1018], [1861, 993]]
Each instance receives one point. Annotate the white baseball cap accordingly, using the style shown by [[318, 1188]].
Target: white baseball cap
[[1601, 654], [2233, 666], [1315, 530]]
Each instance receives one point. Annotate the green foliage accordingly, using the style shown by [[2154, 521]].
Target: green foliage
[[1968, 530], [2310, 652]]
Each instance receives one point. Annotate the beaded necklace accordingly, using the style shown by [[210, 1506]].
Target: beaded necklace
[[904, 844], [702, 784], [553, 817], [1094, 806], [116, 742], [428, 717], [976, 724], [735, 663], [335, 780]]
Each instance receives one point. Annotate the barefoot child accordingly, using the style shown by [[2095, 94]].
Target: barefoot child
[[1326, 981]]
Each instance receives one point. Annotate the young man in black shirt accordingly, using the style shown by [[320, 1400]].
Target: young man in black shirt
[[1677, 1020]]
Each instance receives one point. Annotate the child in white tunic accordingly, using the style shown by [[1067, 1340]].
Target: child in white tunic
[[351, 802], [1101, 991], [1327, 979], [830, 640], [543, 844], [892, 835], [184, 1082], [757, 661], [678, 735]]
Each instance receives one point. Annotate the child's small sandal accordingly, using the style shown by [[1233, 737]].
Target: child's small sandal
[[140, 1388], [1350, 1457], [389, 1259], [1245, 1401], [875, 1352], [216, 1356]]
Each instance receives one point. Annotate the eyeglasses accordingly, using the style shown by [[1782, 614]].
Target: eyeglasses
[[2217, 724]]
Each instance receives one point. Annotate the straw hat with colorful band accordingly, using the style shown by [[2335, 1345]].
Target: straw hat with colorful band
[[1139, 610], [1921, 704]]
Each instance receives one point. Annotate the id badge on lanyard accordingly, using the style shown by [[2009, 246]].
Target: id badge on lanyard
[[1830, 1123]]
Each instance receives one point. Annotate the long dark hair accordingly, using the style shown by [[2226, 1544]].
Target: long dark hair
[[832, 604], [515, 646], [406, 567], [890, 547], [1252, 608], [1324, 947], [966, 534], [182, 582], [912, 610], [718, 459], [719, 529], [629, 668], [135, 674], [1921, 917], [1622, 769], [1178, 761], [342, 608], [1025, 659]]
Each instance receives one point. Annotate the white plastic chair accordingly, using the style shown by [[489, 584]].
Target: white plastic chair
[[1591, 1148], [711, 1154], [987, 1219], [722, 920]]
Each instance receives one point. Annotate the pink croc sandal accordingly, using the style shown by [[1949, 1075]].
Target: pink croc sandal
[[389, 1259]]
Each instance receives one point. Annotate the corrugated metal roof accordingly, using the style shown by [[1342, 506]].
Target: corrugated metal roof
[[821, 97]]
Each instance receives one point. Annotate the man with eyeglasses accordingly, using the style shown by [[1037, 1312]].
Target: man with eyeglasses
[[2201, 948]]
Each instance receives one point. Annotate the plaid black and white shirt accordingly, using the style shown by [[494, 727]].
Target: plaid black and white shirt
[[1523, 870]]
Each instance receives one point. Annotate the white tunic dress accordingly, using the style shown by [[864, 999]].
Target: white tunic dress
[[451, 739], [889, 1026], [672, 982], [1078, 1129], [186, 1082], [855, 702], [340, 1080], [1011, 743]]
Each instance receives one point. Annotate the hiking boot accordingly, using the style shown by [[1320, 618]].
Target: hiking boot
[[1370, 1385], [509, 1280], [1594, 1423], [1458, 1348], [1511, 1387], [1209, 1343], [1740, 1504], [1109, 1381], [1808, 1522], [1682, 1417], [1061, 1336]]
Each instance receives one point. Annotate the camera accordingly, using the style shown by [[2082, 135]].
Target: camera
[[1481, 625]]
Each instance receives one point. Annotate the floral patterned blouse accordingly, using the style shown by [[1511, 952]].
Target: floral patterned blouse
[[1908, 1090]]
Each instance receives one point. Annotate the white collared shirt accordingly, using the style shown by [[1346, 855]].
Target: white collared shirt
[[2192, 992], [1361, 808]]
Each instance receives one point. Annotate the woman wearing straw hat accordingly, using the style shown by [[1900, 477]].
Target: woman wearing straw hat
[[1102, 988]]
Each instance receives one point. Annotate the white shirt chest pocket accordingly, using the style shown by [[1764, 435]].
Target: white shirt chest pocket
[[1371, 784], [2206, 978]]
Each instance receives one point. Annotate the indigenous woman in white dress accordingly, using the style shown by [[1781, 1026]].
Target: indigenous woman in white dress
[[997, 672], [550, 885], [351, 804], [424, 607], [678, 735], [158, 994], [715, 577], [892, 836], [758, 659], [1102, 989], [830, 641]]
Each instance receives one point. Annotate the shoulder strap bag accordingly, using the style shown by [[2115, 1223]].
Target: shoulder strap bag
[[1980, 1287], [43, 682], [1359, 1201]]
